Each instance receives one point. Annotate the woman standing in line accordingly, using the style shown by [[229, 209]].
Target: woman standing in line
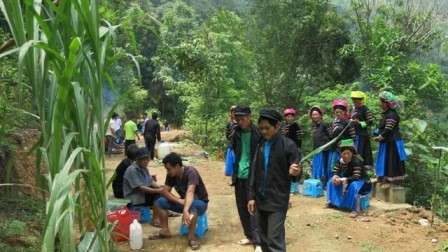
[[391, 154], [320, 133], [361, 118]]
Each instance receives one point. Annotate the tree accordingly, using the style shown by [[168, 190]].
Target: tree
[[297, 47]]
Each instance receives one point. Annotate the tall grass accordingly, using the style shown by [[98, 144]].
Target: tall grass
[[63, 57]]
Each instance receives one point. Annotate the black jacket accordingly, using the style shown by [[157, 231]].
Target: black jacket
[[389, 127], [321, 134], [293, 132], [236, 146], [337, 127], [277, 182], [362, 114], [152, 130]]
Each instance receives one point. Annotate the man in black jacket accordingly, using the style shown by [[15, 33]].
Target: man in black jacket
[[152, 133], [244, 143], [276, 164]]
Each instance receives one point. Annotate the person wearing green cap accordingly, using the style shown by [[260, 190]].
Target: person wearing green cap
[[275, 166], [391, 154], [350, 180], [361, 118]]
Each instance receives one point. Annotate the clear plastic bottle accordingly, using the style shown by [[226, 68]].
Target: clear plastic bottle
[[135, 230]]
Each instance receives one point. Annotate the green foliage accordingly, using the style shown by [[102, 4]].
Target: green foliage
[[14, 228], [297, 47], [65, 57]]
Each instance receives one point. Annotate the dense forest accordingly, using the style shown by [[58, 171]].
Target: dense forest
[[192, 60]]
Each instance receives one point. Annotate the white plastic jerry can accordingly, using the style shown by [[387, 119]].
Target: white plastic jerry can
[[135, 235]]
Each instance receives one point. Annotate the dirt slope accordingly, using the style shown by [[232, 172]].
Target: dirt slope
[[308, 226]]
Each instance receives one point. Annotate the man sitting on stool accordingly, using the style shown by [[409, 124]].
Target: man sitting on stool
[[192, 202], [140, 187]]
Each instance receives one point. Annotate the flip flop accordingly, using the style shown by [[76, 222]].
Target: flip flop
[[158, 235], [245, 241], [194, 244]]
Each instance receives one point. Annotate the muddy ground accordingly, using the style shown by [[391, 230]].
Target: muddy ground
[[391, 227]]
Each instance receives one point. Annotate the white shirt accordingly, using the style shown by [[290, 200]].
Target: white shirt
[[117, 124]]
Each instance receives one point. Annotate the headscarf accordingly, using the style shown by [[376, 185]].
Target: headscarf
[[391, 100], [342, 103], [318, 109], [359, 95], [289, 111], [347, 143]]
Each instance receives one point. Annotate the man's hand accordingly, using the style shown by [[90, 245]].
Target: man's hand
[[251, 207], [295, 169], [186, 218]]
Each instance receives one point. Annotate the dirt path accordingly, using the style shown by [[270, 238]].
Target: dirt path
[[308, 226]]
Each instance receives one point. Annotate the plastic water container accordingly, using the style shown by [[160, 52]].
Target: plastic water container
[[162, 150], [135, 235], [124, 217]]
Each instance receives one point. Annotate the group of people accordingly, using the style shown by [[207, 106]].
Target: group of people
[[266, 161], [264, 166], [130, 132], [343, 165], [134, 181]]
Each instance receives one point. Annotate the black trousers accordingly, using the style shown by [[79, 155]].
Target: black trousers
[[272, 230], [248, 221], [150, 145], [126, 145]]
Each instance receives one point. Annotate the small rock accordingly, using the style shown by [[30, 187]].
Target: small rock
[[434, 240], [349, 237], [424, 222], [308, 224], [336, 236]]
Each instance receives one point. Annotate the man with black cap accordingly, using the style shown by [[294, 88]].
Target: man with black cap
[[276, 164], [244, 143], [139, 185]]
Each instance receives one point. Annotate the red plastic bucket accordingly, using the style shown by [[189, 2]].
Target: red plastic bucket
[[125, 218]]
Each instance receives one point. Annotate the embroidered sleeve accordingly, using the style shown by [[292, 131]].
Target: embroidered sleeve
[[356, 173], [299, 135], [369, 118], [389, 128], [337, 169]]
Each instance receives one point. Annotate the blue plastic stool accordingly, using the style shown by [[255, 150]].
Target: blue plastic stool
[[365, 202], [145, 213], [201, 227], [313, 188], [294, 188]]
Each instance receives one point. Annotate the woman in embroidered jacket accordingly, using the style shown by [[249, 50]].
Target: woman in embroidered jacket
[[391, 154], [321, 136], [350, 181], [361, 119]]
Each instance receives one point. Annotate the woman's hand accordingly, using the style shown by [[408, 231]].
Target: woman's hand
[[336, 180]]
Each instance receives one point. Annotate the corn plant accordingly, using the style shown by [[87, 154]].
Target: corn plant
[[64, 57]]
